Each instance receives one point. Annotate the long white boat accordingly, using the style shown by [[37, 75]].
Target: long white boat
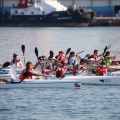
[[110, 79], [99, 80], [49, 83], [66, 82]]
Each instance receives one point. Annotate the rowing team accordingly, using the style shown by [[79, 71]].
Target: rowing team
[[60, 65]]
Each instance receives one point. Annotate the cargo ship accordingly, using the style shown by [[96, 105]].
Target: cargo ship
[[46, 13]]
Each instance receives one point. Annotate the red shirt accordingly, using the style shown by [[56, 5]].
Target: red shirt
[[94, 57], [102, 71]]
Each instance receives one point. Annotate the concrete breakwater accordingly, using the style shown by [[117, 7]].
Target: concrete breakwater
[[105, 21]]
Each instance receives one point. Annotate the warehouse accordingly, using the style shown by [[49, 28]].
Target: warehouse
[[104, 8]]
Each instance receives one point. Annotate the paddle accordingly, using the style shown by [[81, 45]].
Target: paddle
[[105, 49], [68, 50], [23, 50], [108, 47], [6, 64], [81, 52], [88, 55], [51, 55], [36, 53]]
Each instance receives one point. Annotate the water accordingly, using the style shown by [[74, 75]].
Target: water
[[89, 103]]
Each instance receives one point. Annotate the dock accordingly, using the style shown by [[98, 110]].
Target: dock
[[105, 21]]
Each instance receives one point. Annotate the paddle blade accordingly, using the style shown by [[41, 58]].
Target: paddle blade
[[23, 48], [108, 47], [51, 53], [87, 56], [68, 50], [6, 64], [81, 52], [36, 52], [104, 50]]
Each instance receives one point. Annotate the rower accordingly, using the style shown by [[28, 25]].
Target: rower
[[28, 73], [60, 57], [94, 58], [102, 70], [79, 68], [109, 59], [43, 68], [61, 70], [16, 61], [72, 60]]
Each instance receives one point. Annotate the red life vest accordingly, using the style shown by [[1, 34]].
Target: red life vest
[[94, 57], [58, 57], [74, 70], [61, 72], [26, 74], [102, 71]]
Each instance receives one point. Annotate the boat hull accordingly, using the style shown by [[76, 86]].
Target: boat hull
[[56, 83], [54, 19], [99, 80], [39, 24], [111, 78]]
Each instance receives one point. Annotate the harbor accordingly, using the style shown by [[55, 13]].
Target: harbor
[[47, 13], [71, 97]]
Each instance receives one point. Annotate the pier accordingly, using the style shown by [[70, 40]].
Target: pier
[[105, 21]]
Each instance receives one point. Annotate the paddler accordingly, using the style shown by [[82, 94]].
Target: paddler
[[60, 57], [109, 59], [61, 70], [28, 73], [16, 61], [79, 68], [93, 59], [72, 59], [43, 68], [102, 70]]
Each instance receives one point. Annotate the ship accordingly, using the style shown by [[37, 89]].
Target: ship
[[46, 13]]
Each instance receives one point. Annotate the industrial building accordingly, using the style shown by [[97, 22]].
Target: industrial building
[[104, 8]]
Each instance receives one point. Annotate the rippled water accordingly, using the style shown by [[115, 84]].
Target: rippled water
[[89, 103]]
